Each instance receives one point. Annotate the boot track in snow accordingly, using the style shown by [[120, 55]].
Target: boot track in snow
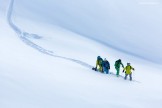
[[24, 37]]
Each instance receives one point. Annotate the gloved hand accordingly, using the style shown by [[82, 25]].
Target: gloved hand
[[123, 70], [95, 69]]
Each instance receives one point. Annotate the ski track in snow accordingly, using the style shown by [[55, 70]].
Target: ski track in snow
[[23, 36]]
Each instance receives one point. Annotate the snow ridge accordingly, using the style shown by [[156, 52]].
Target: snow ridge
[[23, 36]]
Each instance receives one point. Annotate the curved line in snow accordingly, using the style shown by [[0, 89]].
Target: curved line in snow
[[23, 37]]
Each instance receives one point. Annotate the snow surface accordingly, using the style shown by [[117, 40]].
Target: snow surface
[[46, 66], [133, 27]]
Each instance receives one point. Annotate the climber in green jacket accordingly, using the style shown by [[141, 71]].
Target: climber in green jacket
[[117, 66]]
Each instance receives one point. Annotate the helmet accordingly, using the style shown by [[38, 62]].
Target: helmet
[[98, 57], [128, 64], [119, 60]]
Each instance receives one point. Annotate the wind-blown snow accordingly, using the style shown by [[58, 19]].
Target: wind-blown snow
[[30, 79]]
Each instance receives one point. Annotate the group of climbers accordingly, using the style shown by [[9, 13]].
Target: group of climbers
[[104, 66]]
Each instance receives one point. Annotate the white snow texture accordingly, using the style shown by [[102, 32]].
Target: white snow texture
[[48, 48]]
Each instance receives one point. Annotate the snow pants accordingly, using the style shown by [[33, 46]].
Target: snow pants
[[130, 76], [117, 71], [106, 70]]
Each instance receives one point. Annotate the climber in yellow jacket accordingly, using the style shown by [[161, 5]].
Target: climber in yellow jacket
[[99, 63], [127, 70]]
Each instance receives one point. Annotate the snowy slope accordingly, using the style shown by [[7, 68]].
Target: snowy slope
[[133, 27], [32, 79]]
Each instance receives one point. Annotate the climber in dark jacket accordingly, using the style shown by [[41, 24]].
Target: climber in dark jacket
[[106, 66]]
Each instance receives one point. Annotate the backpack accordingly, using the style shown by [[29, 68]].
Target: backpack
[[100, 61], [128, 67], [107, 64], [117, 63]]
